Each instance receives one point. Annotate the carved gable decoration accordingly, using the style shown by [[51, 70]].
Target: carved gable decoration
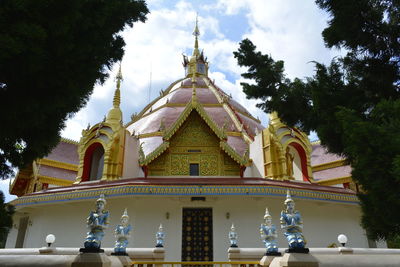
[[194, 133], [194, 143]]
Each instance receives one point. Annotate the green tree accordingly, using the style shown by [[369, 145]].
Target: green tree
[[6, 212], [52, 52], [353, 103]]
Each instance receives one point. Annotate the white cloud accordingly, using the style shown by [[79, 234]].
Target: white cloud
[[229, 7], [288, 30], [4, 185]]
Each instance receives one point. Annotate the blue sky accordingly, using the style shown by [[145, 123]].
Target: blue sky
[[289, 30]]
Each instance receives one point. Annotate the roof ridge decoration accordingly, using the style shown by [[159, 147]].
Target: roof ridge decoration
[[229, 109], [69, 141], [197, 64], [153, 155], [196, 34], [203, 114]]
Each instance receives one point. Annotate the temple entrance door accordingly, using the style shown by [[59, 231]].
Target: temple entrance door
[[197, 234]]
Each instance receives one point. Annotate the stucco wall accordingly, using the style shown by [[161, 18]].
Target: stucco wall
[[256, 154], [131, 158], [322, 222]]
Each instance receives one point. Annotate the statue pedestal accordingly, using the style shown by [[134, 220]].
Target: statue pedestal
[[295, 260], [266, 260], [91, 260], [124, 261]]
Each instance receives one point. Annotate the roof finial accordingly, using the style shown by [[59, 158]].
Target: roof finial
[[196, 33], [114, 114], [117, 94]]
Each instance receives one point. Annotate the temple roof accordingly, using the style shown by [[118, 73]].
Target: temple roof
[[328, 165], [220, 108]]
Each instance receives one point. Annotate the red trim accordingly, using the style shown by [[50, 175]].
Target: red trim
[[242, 169], [303, 160], [87, 161], [145, 171], [346, 185]]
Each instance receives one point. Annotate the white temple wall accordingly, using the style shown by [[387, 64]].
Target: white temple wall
[[67, 221], [256, 154], [131, 167]]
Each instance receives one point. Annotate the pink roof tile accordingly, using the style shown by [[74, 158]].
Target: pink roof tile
[[251, 124], [238, 144], [219, 116], [320, 155], [151, 123], [337, 172], [57, 173], [65, 152]]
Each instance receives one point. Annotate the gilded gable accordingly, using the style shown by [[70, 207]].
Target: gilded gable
[[194, 144]]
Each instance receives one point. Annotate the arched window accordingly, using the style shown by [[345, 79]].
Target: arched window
[[96, 168], [93, 163], [300, 170]]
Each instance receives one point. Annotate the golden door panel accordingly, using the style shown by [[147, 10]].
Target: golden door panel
[[197, 234]]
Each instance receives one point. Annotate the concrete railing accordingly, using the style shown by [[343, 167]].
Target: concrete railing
[[318, 257], [321, 257], [72, 257]]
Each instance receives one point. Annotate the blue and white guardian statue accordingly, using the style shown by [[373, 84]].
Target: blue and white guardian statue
[[268, 235], [122, 233], [160, 236], [97, 222], [292, 226], [233, 237]]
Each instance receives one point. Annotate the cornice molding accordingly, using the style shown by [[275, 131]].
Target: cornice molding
[[54, 181], [335, 181], [58, 164], [150, 134], [183, 190], [329, 165]]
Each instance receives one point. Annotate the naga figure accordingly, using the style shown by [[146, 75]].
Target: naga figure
[[292, 224], [97, 222], [122, 234], [268, 235]]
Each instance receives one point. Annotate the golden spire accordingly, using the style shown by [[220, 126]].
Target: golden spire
[[117, 94], [196, 34], [274, 118], [115, 114]]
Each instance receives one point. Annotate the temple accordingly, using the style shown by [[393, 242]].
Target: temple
[[193, 160]]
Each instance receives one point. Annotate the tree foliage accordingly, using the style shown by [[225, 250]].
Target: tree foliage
[[6, 212], [352, 103], [52, 52]]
